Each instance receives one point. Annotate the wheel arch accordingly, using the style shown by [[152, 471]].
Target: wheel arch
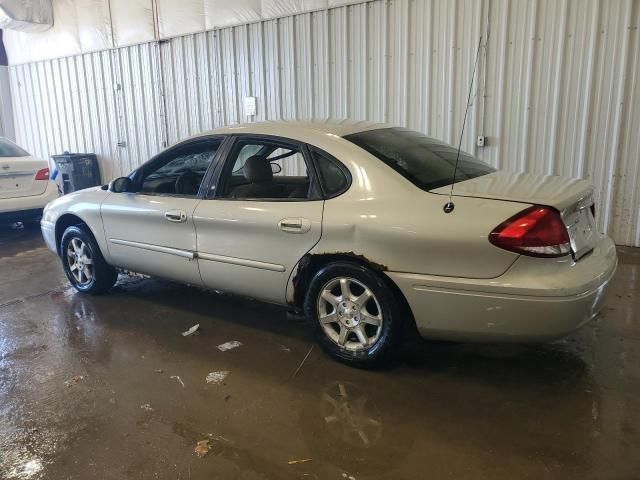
[[67, 220], [311, 264]]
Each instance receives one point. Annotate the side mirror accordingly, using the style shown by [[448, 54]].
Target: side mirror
[[121, 185]]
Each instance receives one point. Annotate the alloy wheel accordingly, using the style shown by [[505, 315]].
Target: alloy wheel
[[349, 314], [79, 261]]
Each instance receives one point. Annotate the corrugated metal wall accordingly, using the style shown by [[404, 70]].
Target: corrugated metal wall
[[6, 110], [557, 89]]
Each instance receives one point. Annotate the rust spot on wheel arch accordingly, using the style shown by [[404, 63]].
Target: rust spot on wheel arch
[[311, 263]]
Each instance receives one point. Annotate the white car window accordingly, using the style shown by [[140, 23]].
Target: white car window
[[10, 149]]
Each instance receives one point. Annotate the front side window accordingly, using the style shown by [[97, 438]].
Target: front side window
[[10, 149], [181, 171], [266, 170], [424, 161]]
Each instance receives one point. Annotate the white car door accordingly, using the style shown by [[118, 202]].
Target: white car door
[[265, 214], [151, 229]]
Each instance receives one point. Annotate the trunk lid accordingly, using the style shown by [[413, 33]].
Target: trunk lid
[[572, 197], [17, 177]]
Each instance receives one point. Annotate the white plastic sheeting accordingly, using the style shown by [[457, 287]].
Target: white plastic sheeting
[[83, 26], [222, 13], [26, 15], [559, 92], [178, 18], [60, 40], [132, 21], [94, 25]]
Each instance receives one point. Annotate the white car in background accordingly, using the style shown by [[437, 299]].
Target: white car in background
[[345, 222], [25, 187]]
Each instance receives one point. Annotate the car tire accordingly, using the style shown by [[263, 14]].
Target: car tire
[[362, 330], [83, 262]]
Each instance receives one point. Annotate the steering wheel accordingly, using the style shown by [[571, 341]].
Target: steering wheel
[[187, 183]]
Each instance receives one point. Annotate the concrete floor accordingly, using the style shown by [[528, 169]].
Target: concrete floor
[[89, 389]]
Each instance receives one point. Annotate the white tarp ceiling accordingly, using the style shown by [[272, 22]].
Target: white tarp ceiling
[[82, 26], [26, 15]]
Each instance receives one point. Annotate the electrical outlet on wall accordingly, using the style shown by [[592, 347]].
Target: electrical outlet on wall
[[481, 141], [250, 107]]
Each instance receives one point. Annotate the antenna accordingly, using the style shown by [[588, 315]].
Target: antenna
[[449, 206]]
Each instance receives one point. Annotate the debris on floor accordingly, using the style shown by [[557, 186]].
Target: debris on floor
[[217, 377], [284, 348], [348, 477], [158, 370], [74, 380], [178, 379], [229, 345], [302, 363], [146, 407], [302, 460], [203, 447], [191, 331]]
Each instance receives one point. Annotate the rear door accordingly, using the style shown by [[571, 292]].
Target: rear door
[[151, 230], [250, 235], [18, 172]]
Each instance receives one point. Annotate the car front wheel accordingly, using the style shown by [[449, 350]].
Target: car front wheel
[[356, 316], [83, 262]]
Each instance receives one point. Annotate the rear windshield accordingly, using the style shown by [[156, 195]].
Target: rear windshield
[[424, 161], [10, 149]]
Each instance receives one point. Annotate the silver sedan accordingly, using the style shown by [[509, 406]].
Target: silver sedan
[[354, 224]]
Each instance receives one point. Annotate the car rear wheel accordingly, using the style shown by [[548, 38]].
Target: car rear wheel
[[356, 316], [84, 264]]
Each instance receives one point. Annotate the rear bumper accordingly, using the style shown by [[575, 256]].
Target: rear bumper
[[21, 207], [9, 217], [535, 300]]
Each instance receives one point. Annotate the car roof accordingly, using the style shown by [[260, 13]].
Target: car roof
[[336, 127]]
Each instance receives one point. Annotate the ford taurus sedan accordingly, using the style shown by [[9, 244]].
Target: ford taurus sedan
[[344, 221], [25, 187]]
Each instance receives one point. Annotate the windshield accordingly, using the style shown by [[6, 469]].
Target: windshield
[[424, 161], [10, 149]]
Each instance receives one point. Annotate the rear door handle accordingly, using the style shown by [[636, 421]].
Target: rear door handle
[[176, 216], [294, 225]]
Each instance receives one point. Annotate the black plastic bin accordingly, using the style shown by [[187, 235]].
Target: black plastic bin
[[77, 171]]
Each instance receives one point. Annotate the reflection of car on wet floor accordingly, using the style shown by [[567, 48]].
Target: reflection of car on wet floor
[[344, 221], [25, 187], [345, 427]]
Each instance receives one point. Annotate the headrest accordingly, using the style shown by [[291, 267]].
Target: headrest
[[257, 169]]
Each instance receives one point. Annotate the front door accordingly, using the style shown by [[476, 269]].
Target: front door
[[151, 229], [265, 215]]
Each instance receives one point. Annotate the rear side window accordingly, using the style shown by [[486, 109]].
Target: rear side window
[[10, 149], [424, 161], [334, 176]]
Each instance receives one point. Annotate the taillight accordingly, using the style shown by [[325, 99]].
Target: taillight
[[43, 174], [537, 231]]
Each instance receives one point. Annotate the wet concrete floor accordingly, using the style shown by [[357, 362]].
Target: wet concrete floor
[[107, 387]]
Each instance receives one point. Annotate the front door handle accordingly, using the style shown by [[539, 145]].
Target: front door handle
[[177, 216], [294, 225]]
